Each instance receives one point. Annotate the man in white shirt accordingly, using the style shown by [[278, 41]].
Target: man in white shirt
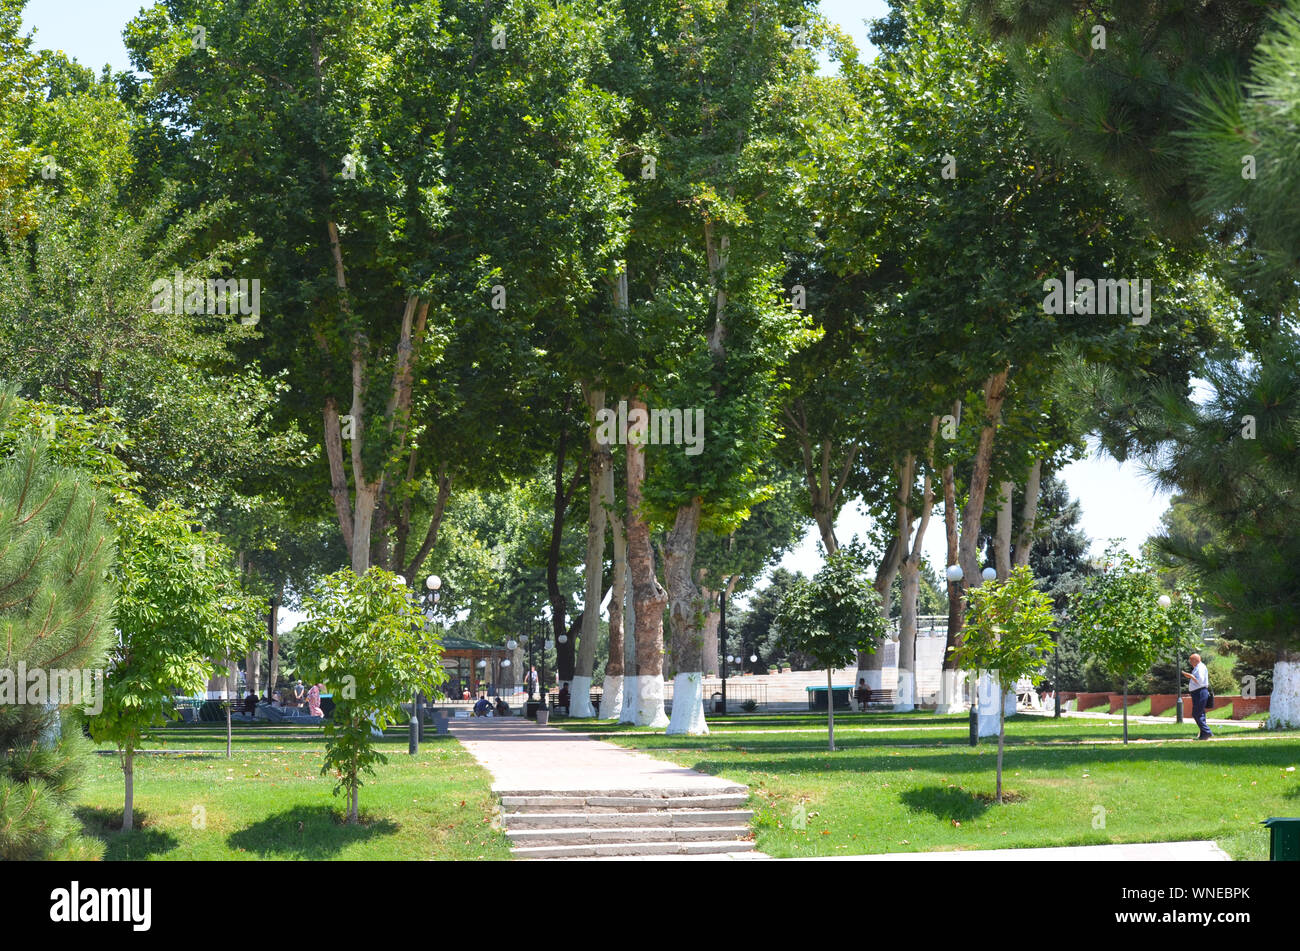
[[1199, 687]]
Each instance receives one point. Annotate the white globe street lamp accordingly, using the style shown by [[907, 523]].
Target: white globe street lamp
[[1164, 601], [433, 582], [989, 574], [955, 573], [563, 638], [512, 644], [753, 658]]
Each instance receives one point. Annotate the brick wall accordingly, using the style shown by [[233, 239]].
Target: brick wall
[[1117, 700]]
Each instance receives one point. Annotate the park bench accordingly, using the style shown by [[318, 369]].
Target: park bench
[[554, 698]]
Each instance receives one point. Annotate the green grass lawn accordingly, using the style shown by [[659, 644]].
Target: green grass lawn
[[910, 782], [269, 801]]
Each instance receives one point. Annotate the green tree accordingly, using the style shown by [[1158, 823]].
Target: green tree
[[429, 181], [1009, 631], [367, 639], [181, 614], [1117, 617], [56, 572], [833, 617]]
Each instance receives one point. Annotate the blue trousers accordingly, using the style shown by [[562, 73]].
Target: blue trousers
[[1198, 710]]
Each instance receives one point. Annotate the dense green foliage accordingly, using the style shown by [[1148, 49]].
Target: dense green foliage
[[367, 641]]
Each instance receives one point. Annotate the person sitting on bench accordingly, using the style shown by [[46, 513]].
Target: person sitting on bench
[[862, 694], [563, 701], [250, 703], [482, 707], [502, 708]]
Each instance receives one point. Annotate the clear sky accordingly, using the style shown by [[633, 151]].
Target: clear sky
[[1117, 500]]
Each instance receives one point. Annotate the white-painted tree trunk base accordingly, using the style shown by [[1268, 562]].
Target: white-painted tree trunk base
[[950, 700], [611, 699], [1284, 703], [905, 697], [875, 679], [650, 702], [988, 705], [580, 698], [688, 706], [631, 688]]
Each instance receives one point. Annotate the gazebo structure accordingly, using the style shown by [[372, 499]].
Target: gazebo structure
[[471, 665]]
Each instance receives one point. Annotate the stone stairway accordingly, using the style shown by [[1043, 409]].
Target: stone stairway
[[591, 823]]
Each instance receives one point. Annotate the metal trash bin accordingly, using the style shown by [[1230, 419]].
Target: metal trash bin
[[718, 705], [1284, 839]]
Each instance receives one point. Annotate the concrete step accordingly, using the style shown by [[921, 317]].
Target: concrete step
[[608, 802], [595, 850], [674, 818], [585, 836], [688, 792]]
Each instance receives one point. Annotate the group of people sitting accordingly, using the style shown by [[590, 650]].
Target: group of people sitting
[[296, 698], [484, 707]]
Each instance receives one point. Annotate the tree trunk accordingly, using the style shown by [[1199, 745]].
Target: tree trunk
[[1002, 536], [830, 710], [709, 634], [601, 463], [253, 671], [231, 693], [686, 619], [995, 393], [128, 774], [1029, 514], [910, 576], [950, 676], [911, 568], [559, 603], [1002, 733], [1126, 710], [611, 704], [648, 596], [354, 809], [631, 682], [273, 632], [1284, 705]]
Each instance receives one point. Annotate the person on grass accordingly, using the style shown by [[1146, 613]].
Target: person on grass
[[1199, 686]]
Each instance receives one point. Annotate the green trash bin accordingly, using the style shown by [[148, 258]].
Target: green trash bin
[[1284, 844]]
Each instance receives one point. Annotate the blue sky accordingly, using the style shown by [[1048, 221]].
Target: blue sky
[[1117, 500]]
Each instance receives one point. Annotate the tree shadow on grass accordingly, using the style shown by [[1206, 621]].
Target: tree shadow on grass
[[306, 832], [140, 843], [945, 802]]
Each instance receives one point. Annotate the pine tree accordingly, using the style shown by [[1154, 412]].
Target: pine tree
[[56, 550]]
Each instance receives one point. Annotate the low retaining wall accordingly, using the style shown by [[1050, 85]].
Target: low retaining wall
[[1117, 700], [1087, 701], [1242, 707]]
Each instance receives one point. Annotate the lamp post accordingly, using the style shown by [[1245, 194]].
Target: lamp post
[[1165, 601], [428, 606], [722, 642], [1056, 675], [955, 574]]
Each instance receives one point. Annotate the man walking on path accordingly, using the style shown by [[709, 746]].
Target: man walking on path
[[1199, 686], [531, 681]]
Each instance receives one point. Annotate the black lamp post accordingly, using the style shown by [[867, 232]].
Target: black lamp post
[[722, 643], [428, 605], [1165, 601], [1056, 676]]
